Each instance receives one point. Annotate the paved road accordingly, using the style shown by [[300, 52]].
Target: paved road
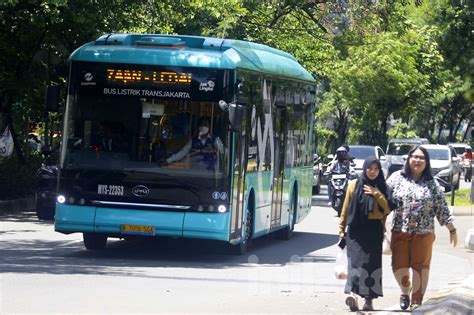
[[46, 272]]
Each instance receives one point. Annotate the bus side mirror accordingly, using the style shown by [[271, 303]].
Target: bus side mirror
[[236, 113], [52, 98]]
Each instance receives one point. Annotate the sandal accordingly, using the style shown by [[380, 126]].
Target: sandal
[[404, 301], [351, 301]]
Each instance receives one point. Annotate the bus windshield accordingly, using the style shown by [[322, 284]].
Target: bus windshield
[[146, 135]]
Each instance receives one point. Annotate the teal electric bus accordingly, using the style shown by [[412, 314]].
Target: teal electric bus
[[135, 161]]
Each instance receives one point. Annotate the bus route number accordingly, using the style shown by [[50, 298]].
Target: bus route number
[[110, 190]]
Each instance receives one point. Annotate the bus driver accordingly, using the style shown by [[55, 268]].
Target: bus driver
[[202, 147]]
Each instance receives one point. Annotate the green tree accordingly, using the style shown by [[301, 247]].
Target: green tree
[[454, 96], [37, 37]]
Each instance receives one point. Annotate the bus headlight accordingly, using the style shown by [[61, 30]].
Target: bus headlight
[[61, 199], [222, 209]]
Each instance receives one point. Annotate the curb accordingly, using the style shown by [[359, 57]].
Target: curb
[[17, 205], [456, 298], [462, 210], [469, 240], [465, 211]]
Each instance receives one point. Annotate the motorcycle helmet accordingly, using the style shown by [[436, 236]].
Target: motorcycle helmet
[[341, 153]]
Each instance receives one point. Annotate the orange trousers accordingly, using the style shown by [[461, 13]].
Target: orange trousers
[[411, 251]]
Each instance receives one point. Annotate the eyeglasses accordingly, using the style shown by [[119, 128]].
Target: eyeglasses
[[418, 157]]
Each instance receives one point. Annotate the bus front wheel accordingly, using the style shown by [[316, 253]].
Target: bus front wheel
[[246, 244], [94, 241]]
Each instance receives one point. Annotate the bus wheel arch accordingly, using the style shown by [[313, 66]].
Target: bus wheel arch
[[287, 232], [293, 213], [294, 203], [247, 226]]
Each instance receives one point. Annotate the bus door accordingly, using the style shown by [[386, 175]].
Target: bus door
[[279, 127], [240, 164]]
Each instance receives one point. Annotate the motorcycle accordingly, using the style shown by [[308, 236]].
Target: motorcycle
[[339, 177]]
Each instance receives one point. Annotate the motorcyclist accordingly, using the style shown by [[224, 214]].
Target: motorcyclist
[[340, 155], [467, 164], [342, 159], [468, 153]]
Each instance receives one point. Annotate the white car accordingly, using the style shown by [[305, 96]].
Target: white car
[[361, 152], [444, 165]]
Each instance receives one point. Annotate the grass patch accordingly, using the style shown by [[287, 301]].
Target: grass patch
[[462, 197]]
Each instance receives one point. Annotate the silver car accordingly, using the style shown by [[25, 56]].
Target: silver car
[[396, 152], [444, 165]]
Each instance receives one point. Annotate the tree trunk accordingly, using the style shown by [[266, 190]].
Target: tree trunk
[[342, 128], [440, 126], [458, 125], [466, 132], [9, 122], [383, 127]]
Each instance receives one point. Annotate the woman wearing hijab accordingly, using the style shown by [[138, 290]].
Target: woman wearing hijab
[[364, 212]]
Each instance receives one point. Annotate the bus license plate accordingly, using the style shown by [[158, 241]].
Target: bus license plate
[[137, 229]]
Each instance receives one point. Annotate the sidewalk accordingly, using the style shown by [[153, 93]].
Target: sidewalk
[[462, 210]]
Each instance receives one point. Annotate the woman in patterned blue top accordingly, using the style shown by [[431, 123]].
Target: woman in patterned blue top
[[418, 198]]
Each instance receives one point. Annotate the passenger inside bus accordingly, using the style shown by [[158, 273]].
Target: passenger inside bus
[[202, 148]]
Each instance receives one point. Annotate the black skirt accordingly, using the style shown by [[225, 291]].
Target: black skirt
[[364, 259]]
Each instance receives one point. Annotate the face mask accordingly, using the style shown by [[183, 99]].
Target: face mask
[[203, 130]]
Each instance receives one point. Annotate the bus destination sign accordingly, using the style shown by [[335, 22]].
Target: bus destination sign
[[152, 81], [127, 76]]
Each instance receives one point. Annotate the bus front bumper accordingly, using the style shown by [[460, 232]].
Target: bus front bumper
[[74, 218]]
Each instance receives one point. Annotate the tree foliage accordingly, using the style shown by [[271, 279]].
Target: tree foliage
[[381, 64], [454, 20]]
